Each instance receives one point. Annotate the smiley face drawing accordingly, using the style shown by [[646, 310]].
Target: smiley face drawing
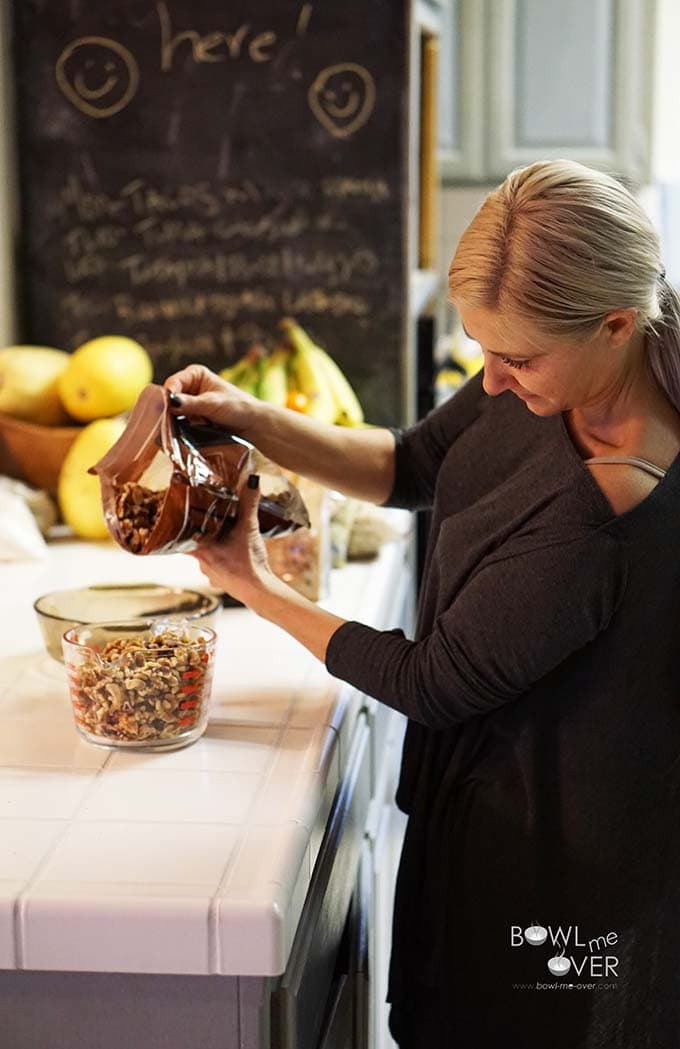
[[342, 98], [97, 75]]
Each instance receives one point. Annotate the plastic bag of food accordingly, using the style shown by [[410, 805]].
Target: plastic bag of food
[[169, 484], [303, 560]]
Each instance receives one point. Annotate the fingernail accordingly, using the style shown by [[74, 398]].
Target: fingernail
[[175, 400], [253, 480]]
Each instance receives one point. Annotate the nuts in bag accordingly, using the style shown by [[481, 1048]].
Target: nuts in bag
[[169, 484]]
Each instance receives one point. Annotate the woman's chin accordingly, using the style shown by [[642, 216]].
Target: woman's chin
[[537, 405]]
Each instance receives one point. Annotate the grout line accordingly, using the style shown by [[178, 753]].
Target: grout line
[[214, 952], [19, 912]]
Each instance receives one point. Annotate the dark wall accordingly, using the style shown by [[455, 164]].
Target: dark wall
[[193, 170]]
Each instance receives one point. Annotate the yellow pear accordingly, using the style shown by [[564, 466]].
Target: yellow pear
[[78, 492], [104, 377], [29, 383]]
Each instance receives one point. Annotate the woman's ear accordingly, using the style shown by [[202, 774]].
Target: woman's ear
[[619, 327]]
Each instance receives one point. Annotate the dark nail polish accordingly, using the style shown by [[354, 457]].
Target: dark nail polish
[[175, 400], [253, 480]]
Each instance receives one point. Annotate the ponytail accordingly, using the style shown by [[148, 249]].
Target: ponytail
[[663, 350]]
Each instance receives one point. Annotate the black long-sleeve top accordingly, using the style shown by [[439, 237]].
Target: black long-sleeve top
[[541, 766]]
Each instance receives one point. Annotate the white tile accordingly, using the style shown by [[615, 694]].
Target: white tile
[[172, 797], [257, 682], [306, 770], [223, 748], [24, 703], [251, 932], [30, 793], [42, 671], [24, 844], [9, 891], [314, 705], [12, 667], [278, 854], [245, 636], [151, 854], [304, 749], [41, 691], [304, 798], [32, 742], [250, 704], [293, 912], [83, 931]]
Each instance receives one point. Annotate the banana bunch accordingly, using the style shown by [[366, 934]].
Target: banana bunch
[[245, 373], [261, 374], [316, 375], [298, 375]]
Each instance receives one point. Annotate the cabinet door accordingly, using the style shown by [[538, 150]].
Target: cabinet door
[[300, 1004], [569, 80], [462, 90], [386, 851]]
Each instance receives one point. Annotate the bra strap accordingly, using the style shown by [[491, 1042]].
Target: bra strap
[[630, 460]]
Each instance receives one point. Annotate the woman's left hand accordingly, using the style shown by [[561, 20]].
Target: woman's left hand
[[238, 564]]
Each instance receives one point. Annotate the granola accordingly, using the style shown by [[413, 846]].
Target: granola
[[137, 509], [141, 688]]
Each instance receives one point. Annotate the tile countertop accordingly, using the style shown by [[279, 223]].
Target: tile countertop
[[194, 861]]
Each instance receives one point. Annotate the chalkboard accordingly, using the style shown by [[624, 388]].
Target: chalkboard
[[193, 170]]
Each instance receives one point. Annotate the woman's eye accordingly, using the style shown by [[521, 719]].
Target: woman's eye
[[513, 363]]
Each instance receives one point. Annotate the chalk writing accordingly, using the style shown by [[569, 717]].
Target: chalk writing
[[97, 75], [154, 232], [345, 187], [88, 206], [100, 76], [335, 268], [303, 19], [139, 198], [223, 305], [217, 46], [146, 199], [80, 307], [322, 301], [84, 268], [342, 98], [242, 176], [82, 240]]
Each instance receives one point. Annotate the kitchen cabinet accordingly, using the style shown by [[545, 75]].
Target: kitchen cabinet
[[528, 79], [307, 1000]]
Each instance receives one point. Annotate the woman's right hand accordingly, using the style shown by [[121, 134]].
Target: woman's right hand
[[203, 394]]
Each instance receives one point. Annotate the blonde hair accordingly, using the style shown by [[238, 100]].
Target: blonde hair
[[562, 245]]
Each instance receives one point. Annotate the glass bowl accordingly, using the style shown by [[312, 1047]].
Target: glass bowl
[[141, 685], [106, 602]]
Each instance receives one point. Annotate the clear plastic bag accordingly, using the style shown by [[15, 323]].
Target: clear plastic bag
[[303, 560], [169, 484]]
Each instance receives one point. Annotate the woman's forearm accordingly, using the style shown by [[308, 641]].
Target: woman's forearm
[[357, 462], [302, 619]]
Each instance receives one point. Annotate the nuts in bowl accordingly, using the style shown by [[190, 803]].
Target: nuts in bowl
[[140, 684]]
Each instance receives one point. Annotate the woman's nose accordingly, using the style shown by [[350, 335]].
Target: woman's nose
[[495, 378]]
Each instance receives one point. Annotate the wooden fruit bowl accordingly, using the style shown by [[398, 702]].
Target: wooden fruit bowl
[[34, 453]]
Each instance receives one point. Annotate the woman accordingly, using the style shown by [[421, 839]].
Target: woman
[[541, 767]]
